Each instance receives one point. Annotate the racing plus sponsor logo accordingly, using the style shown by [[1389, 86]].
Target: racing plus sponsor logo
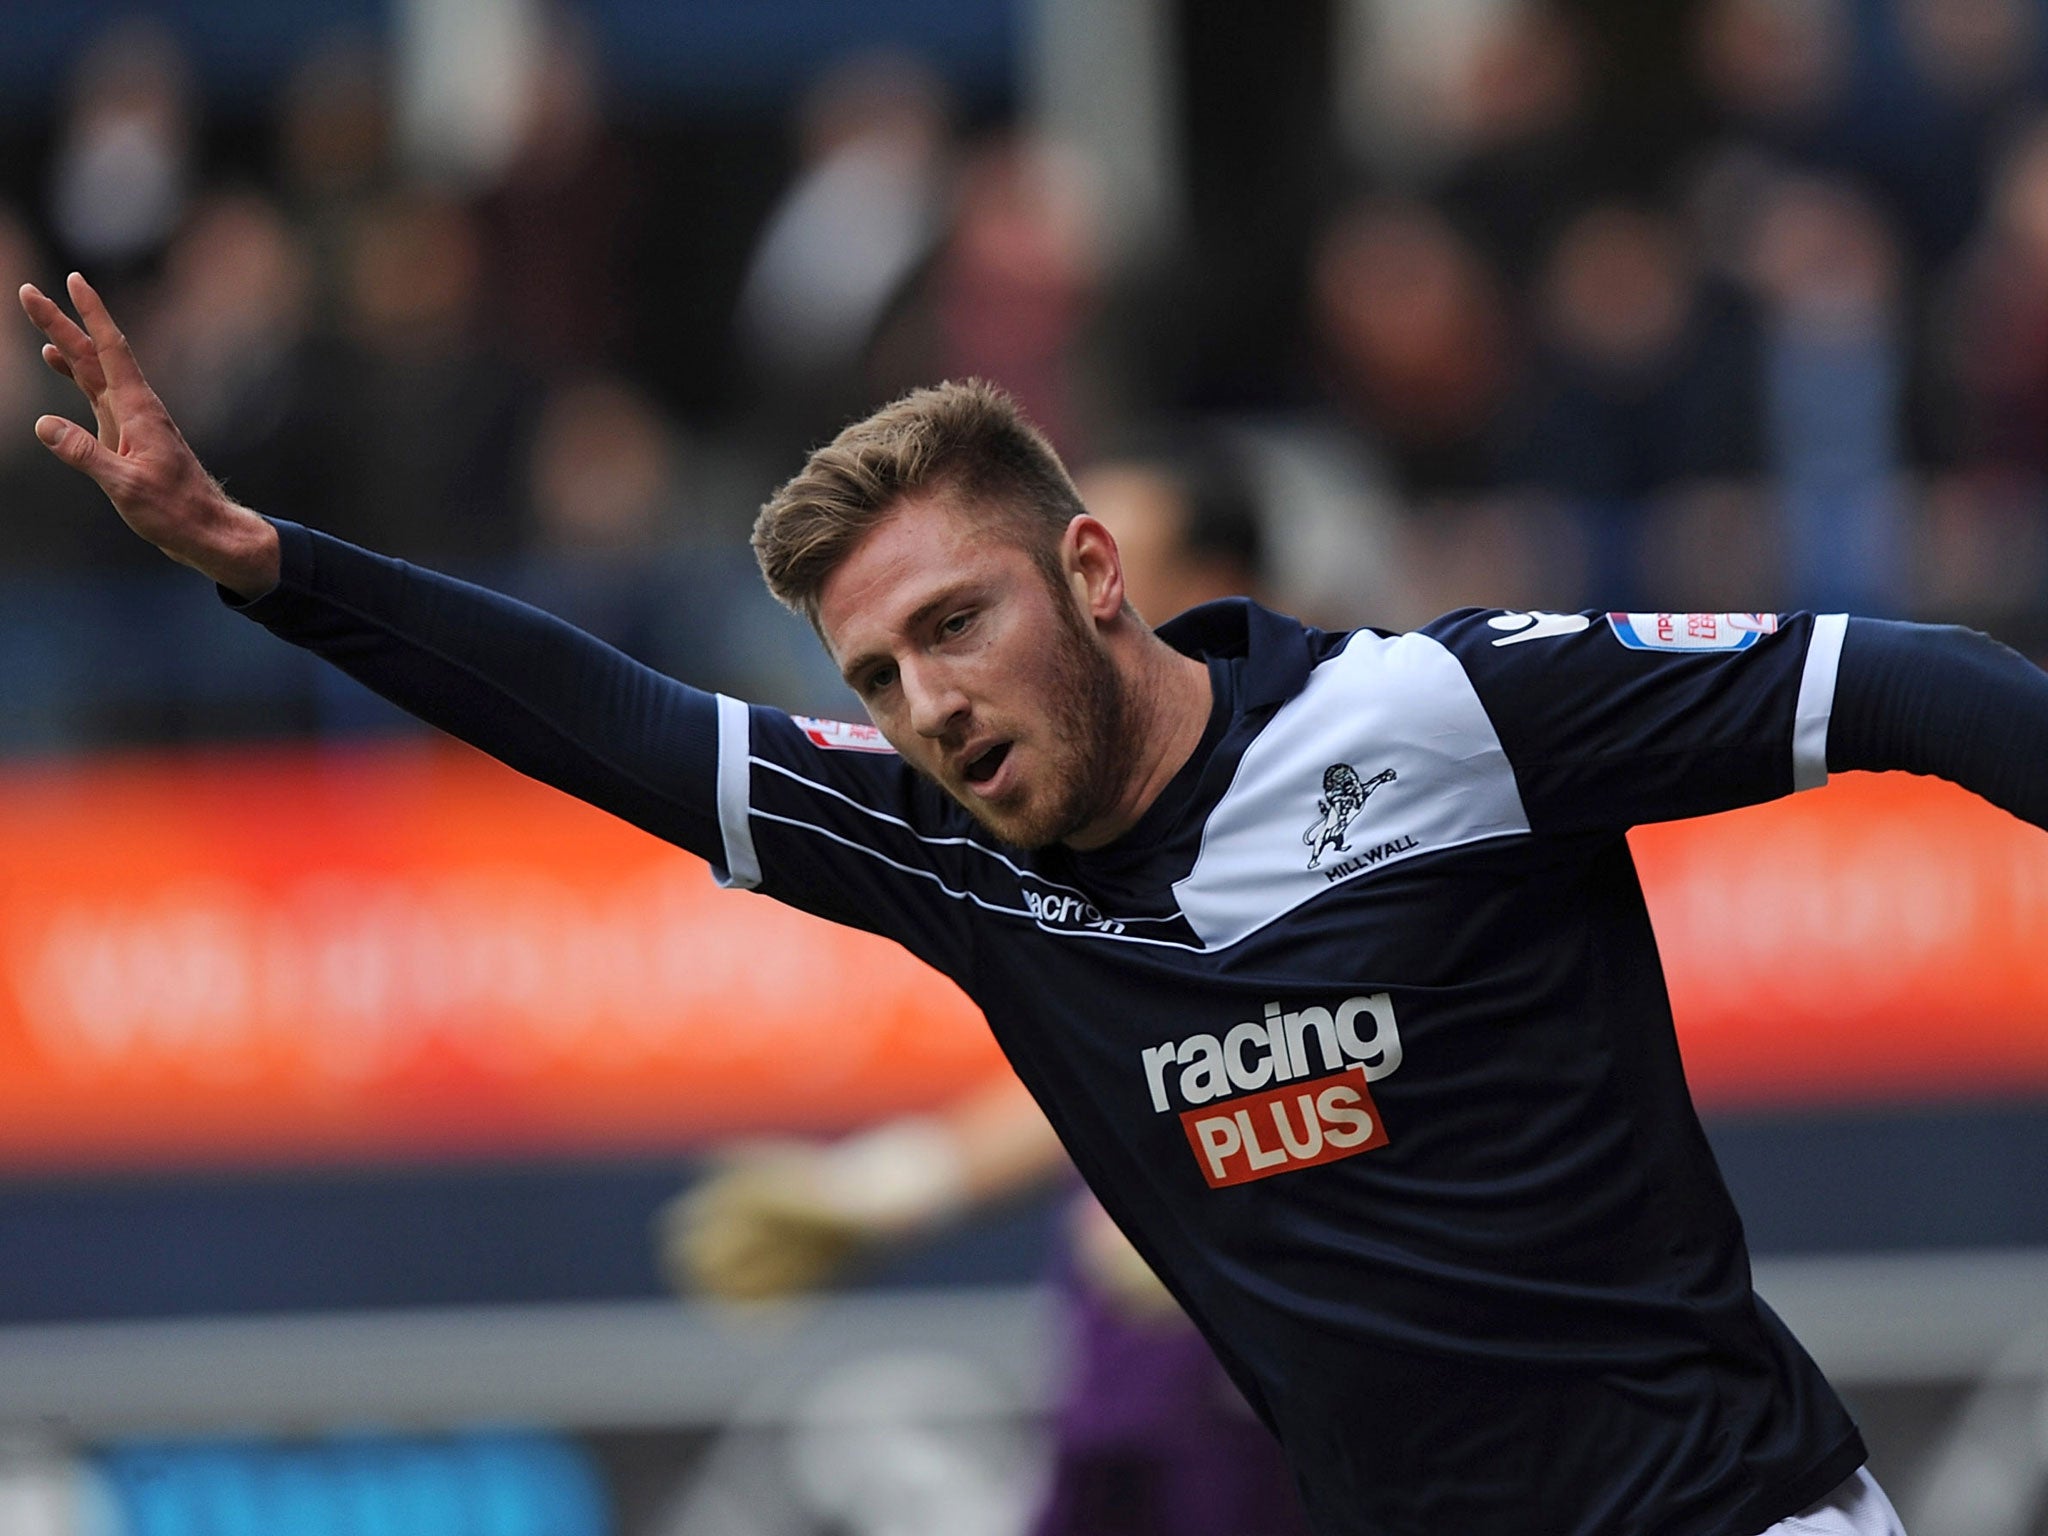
[[1064, 911], [1343, 797], [1287, 1091], [1284, 1129]]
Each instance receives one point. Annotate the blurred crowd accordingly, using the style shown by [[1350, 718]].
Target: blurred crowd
[[1790, 350]]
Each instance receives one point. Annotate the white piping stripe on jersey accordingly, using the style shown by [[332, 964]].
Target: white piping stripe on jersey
[[941, 842], [1817, 700], [957, 895], [742, 864], [898, 821]]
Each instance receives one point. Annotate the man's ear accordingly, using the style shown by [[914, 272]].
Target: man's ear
[[1095, 570]]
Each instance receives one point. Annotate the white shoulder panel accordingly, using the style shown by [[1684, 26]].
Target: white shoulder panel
[[735, 795], [1387, 753], [1817, 700]]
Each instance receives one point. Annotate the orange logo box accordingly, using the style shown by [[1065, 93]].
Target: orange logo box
[[1296, 1126]]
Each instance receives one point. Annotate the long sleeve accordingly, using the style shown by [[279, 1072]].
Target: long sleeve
[[1946, 701], [534, 692]]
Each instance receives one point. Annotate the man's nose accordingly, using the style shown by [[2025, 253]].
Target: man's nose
[[935, 702]]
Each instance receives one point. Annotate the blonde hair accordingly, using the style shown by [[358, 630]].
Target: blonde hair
[[968, 440]]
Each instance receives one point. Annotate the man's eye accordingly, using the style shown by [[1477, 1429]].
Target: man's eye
[[957, 624], [878, 679]]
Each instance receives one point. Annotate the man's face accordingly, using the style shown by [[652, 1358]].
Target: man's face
[[982, 673]]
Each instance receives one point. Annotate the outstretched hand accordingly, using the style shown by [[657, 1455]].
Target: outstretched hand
[[766, 1226], [139, 457]]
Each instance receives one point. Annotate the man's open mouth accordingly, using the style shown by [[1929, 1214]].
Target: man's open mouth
[[983, 768]]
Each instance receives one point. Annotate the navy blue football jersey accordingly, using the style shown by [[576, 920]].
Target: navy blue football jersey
[[1360, 1033]]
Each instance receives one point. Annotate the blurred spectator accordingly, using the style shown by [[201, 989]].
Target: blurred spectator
[[603, 478], [1778, 76], [1644, 378], [1014, 293], [623, 538], [1981, 556], [1828, 269], [1992, 323], [432, 418], [233, 356], [1529, 151], [1414, 339], [334, 152], [1330, 523], [122, 167], [603, 501], [846, 236], [1970, 67], [1189, 531], [1513, 394], [557, 222], [1972, 51], [1777, 71]]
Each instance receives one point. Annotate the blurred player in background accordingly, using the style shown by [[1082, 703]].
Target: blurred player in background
[[1151, 1438]]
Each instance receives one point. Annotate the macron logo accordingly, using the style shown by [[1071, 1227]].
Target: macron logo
[[1294, 1085], [1056, 911], [1536, 626]]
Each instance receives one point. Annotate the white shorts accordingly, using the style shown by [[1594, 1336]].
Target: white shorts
[[1857, 1508]]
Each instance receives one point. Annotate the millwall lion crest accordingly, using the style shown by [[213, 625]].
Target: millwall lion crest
[[1344, 796]]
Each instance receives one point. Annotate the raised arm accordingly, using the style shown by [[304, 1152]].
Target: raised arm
[[140, 458], [1940, 700], [534, 692]]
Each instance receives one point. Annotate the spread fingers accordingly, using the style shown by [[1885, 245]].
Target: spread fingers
[[70, 350], [121, 369]]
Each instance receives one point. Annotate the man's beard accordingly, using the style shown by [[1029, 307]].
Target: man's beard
[[1092, 747]]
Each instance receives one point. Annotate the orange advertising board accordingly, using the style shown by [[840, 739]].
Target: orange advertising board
[[1885, 937], [412, 951], [405, 951]]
